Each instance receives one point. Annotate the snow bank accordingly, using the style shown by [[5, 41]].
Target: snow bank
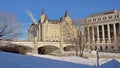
[[10, 60], [111, 64], [80, 60]]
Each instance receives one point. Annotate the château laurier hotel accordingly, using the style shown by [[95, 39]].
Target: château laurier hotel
[[47, 30], [100, 30]]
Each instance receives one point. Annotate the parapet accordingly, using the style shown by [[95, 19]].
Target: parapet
[[103, 13]]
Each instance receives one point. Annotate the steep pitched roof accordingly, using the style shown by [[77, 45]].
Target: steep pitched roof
[[66, 13]]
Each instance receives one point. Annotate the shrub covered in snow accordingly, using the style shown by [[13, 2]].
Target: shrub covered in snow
[[13, 49]]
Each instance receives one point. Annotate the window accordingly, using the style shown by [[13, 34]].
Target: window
[[118, 47], [116, 16], [94, 19], [99, 19], [95, 48], [104, 18], [112, 47], [110, 17], [100, 48], [106, 47]]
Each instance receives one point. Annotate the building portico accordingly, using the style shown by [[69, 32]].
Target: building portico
[[101, 30], [104, 36]]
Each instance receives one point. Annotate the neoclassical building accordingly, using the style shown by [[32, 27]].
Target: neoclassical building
[[101, 30], [47, 30]]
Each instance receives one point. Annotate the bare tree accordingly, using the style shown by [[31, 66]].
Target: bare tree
[[80, 43], [9, 26], [74, 35]]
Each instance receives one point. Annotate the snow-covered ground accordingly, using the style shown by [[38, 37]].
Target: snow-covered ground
[[87, 61], [11, 60]]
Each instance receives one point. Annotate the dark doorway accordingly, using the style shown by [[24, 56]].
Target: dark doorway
[[101, 48], [47, 49], [69, 48]]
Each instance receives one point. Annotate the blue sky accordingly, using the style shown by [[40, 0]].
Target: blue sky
[[54, 9]]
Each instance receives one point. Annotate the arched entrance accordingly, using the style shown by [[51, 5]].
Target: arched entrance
[[47, 49], [69, 48]]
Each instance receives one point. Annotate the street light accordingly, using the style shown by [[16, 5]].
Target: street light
[[97, 57]]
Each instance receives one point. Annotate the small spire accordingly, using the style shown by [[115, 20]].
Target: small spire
[[42, 12], [46, 18], [66, 13]]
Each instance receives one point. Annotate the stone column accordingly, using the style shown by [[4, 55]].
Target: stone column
[[39, 32], [61, 45], [88, 34], [93, 35], [98, 36], [103, 34], [35, 49], [61, 39], [109, 39], [115, 36], [28, 34], [83, 31]]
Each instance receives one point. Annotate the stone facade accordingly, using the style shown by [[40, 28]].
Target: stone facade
[[101, 30], [47, 30]]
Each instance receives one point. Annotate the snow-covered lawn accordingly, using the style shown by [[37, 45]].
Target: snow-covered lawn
[[91, 60], [11, 60]]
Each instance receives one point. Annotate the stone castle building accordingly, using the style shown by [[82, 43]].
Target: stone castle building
[[101, 30], [47, 30]]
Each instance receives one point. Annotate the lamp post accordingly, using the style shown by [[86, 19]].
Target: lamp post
[[97, 57]]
